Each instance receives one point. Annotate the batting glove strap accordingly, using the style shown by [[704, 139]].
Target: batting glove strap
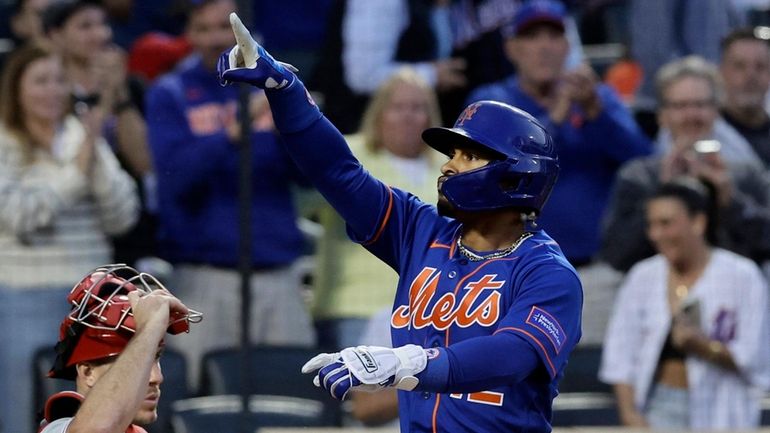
[[383, 366]]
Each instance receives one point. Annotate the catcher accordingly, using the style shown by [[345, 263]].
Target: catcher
[[110, 344]]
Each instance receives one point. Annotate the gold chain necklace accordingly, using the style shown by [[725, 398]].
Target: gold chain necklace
[[470, 255]]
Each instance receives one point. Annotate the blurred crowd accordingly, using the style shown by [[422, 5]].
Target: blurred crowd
[[118, 144]]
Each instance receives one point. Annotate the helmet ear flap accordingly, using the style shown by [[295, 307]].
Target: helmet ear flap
[[511, 184], [64, 349]]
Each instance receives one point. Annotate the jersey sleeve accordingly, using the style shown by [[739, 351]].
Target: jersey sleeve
[[377, 216], [407, 222], [546, 312]]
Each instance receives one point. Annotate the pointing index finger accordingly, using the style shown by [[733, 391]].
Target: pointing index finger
[[245, 42]]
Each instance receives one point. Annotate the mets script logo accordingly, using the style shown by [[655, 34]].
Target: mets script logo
[[467, 114], [477, 302]]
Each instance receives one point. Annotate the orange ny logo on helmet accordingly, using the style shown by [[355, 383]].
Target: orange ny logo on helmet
[[467, 114]]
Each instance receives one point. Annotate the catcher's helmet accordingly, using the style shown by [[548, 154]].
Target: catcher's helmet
[[101, 323], [523, 176]]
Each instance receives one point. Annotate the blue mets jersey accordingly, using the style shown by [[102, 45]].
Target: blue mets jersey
[[532, 298]]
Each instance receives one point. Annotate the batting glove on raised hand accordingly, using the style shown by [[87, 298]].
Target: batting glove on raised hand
[[248, 62], [369, 368]]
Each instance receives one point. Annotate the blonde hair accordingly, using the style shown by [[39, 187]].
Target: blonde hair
[[372, 116], [690, 66]]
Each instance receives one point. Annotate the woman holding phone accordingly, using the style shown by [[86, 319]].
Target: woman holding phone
[[686, 347]]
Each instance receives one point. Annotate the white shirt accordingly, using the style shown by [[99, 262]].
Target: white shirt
[[58, 426], [733, 298], [371, 30], [55, 221]]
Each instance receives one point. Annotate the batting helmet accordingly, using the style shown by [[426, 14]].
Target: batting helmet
[[527, 167], [101, 323]]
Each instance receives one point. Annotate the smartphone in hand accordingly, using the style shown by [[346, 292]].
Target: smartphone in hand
[[690, 307]]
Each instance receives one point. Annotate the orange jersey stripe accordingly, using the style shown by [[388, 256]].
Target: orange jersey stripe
[[545, 352], [435, 244], [435, 413], [384, 220]]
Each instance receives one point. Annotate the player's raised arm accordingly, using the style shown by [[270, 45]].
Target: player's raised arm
[[314, 143]]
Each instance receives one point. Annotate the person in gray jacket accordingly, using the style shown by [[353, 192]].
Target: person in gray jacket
[[688, 92]]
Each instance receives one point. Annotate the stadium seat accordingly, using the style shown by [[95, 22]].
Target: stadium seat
[[174, 387], [43, 386], [223, 413], [585, 409], [272, 371], [584, 400], [582, 371]]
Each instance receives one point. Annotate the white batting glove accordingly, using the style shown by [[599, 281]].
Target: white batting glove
[[369, 368], [248, 62]]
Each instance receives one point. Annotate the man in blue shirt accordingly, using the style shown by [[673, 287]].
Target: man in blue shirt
[[593, 132], [194, 136]]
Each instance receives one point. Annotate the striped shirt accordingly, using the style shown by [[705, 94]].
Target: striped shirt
[[54, 221]]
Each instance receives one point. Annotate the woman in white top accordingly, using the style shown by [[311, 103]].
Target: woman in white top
[[62, 193], [687, 344]]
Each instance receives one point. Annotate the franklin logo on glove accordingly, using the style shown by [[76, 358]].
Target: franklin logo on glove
[[367, 360], [368, 368]]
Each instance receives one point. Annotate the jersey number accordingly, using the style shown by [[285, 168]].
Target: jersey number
[[482, 397]]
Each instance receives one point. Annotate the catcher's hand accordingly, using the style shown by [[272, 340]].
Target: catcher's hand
[[248, 62], [368, 368]]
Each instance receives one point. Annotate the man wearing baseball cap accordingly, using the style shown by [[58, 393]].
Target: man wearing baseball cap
[[593, 131], [110, 345]]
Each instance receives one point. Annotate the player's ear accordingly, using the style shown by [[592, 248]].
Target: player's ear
[[86, 373], [89, 372]]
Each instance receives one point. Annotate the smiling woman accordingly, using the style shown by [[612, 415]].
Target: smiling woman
[[687, 322], [62, 194]]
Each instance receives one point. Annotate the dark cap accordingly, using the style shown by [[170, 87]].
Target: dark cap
[[59, 11], [536, 12]]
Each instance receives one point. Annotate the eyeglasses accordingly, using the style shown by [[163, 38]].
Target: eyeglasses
[[695, 103]]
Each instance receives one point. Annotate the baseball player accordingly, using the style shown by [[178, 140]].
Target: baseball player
[[487, 308], [110, 345]]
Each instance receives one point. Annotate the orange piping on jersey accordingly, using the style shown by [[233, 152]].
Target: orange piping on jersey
[[435, 244], [545, 352], [384, 220], [460, 283], [435, 412]]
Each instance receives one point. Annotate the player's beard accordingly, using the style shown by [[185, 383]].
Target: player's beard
[[444, 207]]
